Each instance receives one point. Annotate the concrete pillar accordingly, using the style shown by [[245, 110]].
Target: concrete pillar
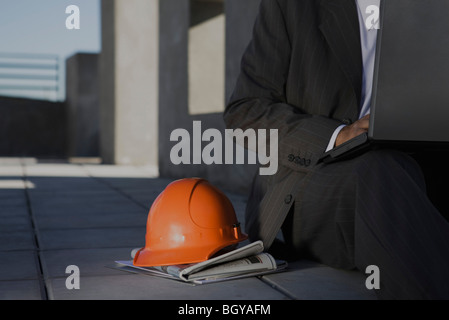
[[129, 82], [82, 105]]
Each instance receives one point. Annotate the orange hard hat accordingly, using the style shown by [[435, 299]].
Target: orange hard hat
[[189, 222]]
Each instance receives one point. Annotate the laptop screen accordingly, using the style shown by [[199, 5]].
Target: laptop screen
[[411, 78]]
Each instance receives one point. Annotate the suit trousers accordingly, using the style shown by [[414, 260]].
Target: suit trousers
[[373, 210]]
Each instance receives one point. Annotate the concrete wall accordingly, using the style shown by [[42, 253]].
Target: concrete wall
[[82, 104], [32, 128], [174, 87]]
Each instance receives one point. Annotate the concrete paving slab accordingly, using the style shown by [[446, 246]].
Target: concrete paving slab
[[14, 218], [77, 218], [11, 201], [12, 169], [91, 262], [17, 240], [65, 184], [134, 183], [85, 207], [72, 211], [21, 290], [311, 281], [121, 171], [102, 191], [142, 287], [6, 193], [19, 265], [144, 198], [39, 198], [54, 170], [91, 238], [15, 222], [7, 161], [14, 183], [143, 191]]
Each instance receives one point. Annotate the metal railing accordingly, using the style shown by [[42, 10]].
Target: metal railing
[[34, 76]]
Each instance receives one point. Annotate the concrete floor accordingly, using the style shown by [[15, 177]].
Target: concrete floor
[[54, 215]]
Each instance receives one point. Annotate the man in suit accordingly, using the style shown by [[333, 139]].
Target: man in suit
[[306, 73]]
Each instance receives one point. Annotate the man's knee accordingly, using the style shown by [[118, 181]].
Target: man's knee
[[386, 164]]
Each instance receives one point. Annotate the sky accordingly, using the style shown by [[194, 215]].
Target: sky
[[39, 27]]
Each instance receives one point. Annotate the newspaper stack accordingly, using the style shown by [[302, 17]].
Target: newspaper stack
[[247, 261]]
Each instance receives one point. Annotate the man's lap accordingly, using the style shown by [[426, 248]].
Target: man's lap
[[322, 221]]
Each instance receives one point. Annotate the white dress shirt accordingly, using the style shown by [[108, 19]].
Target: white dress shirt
[[368, 12]]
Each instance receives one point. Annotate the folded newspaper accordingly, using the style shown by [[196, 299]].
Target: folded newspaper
[[247, 261]]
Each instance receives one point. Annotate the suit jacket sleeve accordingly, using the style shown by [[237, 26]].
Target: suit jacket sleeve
[[259, 99]]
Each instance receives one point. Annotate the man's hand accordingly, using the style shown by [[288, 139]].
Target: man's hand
[[357, 128]]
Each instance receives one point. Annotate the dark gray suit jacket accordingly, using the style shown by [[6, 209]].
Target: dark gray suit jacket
[[301, 74]]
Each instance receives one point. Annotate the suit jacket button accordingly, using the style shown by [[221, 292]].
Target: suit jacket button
[[302, 162], [298, 160], [347, 121], [308, 162], [288, 199], [291, 157]]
